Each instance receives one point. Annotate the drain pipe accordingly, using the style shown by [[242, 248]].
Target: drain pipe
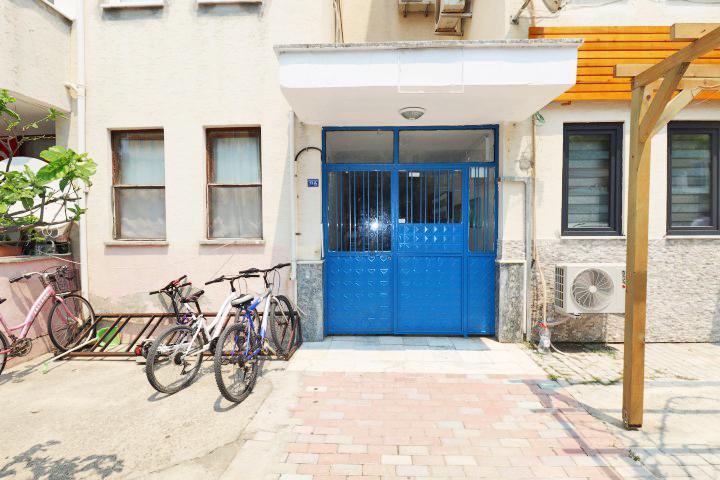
[[81, 140], [293, 203], [528, 193]]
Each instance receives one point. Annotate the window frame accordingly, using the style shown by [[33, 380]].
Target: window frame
[[616, 194], [228, 132], [713, 128], [115, 136]]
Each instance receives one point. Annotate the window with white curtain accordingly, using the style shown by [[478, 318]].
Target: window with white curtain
[[234, 183], [139, 185], [592, 179]]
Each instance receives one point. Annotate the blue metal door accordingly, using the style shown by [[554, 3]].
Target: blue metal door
[[409, 226]]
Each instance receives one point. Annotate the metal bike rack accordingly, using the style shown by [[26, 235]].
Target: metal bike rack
[[152, 321]]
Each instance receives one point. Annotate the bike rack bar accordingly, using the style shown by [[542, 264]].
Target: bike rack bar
[[150, 324]]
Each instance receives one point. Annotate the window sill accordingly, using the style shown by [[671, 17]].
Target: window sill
[[692, 237], [32, 258], [136, 243], [228, 2], [115, 5], [233, 241], [593, 237]]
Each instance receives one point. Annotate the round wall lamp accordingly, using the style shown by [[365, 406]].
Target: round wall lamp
[[412, 113]]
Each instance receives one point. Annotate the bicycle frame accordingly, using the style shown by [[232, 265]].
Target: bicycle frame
[[24, 327], [214, 329], [267, 297]]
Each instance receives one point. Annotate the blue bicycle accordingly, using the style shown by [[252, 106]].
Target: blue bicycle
[[239, 347]]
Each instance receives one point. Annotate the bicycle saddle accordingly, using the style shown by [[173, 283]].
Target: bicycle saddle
[[2, 300], [239, 302], [192, 297]]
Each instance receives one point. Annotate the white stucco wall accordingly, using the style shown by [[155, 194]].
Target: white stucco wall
[[183, 69], [35, 52]]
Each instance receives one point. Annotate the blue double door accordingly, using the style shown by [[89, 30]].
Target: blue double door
[[410, 245]]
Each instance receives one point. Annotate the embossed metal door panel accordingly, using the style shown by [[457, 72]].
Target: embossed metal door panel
[[431, 240], [359, 266]]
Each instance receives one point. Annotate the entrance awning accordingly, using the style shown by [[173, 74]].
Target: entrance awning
[[455, 82]]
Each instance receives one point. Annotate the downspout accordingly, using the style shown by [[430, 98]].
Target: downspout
[[528, 229], [293, 203], [81, 141]]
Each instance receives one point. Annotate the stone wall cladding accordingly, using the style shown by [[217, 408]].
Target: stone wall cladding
[[510, 294], [310, 300], [683, 288]]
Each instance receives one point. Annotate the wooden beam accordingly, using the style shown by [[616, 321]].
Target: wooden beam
[[691, 31], [694, 71], [636, 266], [674, 107], [662, 97], [697, 48]]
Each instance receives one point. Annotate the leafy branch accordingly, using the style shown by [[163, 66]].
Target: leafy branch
[[32, 201]]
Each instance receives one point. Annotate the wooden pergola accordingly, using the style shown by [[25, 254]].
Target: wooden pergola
[[653, 104]]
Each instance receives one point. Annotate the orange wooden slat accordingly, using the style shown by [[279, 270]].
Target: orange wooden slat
[[600, 29], [595, 71], [602, 79], [659, 54], [616, 37], [633, 46], [607, 62], [593, 96], [600, 87]]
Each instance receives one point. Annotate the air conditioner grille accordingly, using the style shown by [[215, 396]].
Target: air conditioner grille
[[559, 287], [592, 289]]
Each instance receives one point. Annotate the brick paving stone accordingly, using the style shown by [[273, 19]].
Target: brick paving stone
[[447, 426]]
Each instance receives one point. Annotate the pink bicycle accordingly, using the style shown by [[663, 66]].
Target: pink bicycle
[[70, 321]]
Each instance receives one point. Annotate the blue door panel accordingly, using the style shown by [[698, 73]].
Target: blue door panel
[[429, 237], [409, 247], [359, 296], [481, 295], [430, 294]]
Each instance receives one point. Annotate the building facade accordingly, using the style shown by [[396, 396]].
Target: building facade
[[392, 165]]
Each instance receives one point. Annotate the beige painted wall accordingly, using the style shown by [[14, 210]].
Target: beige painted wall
[[516, 154], [35, 52], [184, 68]]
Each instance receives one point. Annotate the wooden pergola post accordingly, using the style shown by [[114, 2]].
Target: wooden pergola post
[[648, 114]]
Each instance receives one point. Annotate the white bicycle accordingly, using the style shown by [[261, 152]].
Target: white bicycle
[[174, 358]]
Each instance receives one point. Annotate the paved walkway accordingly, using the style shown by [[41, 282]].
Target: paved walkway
[[376, 407], [680, 437]]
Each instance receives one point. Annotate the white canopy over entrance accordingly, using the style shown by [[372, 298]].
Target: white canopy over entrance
[[456, 82]]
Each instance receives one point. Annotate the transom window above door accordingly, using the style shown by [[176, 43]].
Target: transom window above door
[[592, 179]]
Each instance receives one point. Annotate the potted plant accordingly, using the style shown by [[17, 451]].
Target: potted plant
[[35, 201], [8, 247]]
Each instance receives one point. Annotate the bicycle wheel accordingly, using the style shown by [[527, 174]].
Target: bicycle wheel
[[174, 359], [282, 325], [235, 376], [65, 331], [4, 345]]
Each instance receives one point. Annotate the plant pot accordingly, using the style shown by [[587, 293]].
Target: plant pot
[[10, 250]]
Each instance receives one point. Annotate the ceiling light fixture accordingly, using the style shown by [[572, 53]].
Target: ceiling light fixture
[[412, 113]]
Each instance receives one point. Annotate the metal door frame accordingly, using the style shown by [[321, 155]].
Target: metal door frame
[[394, 168]]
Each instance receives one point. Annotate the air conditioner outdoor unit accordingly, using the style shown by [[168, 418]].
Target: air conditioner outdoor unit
[[451, 6], [590, 288], [449, 15]]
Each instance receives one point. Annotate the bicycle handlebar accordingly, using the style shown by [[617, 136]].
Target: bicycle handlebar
[[172, 285], [224, 278]]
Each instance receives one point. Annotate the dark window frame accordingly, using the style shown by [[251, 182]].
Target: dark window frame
[[117, 187], [615, 194], [228, 132], [713, 128]]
